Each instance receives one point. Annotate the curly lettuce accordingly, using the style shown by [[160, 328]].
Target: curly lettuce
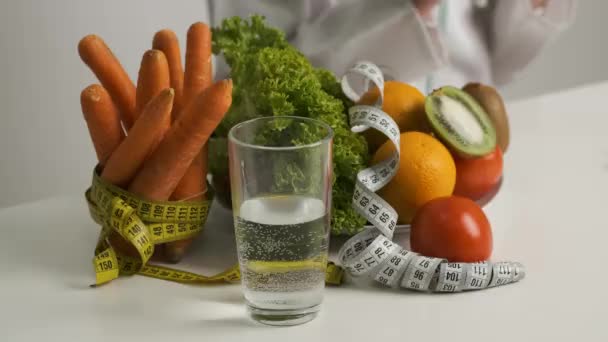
[[272, 78]]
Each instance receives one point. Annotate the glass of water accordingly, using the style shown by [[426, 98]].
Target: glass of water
[[280, 176]]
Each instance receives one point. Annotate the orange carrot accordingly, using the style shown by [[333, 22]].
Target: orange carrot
[[197, 78], [197, 75], [103, 121], [166, 41], [142, 140], [153, 78], [166, 166], [192, 187], [96, 54]]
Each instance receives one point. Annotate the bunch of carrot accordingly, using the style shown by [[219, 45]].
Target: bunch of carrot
[[168, 118]]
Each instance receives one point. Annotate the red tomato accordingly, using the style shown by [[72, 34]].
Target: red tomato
[[478, 176], [453, 228]]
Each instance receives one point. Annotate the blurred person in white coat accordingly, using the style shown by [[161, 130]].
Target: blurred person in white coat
[[426, 42]]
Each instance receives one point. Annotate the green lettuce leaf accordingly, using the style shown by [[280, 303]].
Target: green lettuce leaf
[[272, 78]]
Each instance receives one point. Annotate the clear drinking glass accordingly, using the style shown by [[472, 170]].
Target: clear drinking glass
[[280, 176]]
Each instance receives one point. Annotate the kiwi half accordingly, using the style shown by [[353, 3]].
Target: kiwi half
[[460, 121], [492, 102]]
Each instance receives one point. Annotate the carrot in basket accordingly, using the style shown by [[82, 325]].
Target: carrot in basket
[[166, 41], [198, 76], [142, 140], [162, 171], [102, 119], [152, 79], [96, 54], [192, 187]]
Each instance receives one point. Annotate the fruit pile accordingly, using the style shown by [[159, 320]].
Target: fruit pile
[[452, 143]]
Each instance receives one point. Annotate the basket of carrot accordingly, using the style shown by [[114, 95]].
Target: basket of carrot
[[150, 140]]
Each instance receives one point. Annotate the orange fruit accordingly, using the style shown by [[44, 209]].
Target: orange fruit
[[403, 103], [426, 171]]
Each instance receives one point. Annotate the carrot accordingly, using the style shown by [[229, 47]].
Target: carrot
[[197, 78], [163, 170], [166, 41], [96, 54], [103, 121], [153, 78], [142, 140], [198, 75], [192, 187]]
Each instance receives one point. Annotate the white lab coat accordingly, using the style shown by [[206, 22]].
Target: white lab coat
[[462, 41]]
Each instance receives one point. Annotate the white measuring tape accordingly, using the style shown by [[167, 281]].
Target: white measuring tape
[[372, 251]]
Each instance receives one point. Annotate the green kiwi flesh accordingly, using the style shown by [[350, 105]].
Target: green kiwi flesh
[[459, 120]]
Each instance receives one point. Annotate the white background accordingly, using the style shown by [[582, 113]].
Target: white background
[[44, 144]]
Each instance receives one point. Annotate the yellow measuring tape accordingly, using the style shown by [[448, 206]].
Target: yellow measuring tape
[[144, 224]]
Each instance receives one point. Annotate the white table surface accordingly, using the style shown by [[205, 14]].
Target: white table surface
[[550, 215]]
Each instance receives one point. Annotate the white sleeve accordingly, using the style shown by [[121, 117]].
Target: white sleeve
[[389, 33], [519, 33]]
